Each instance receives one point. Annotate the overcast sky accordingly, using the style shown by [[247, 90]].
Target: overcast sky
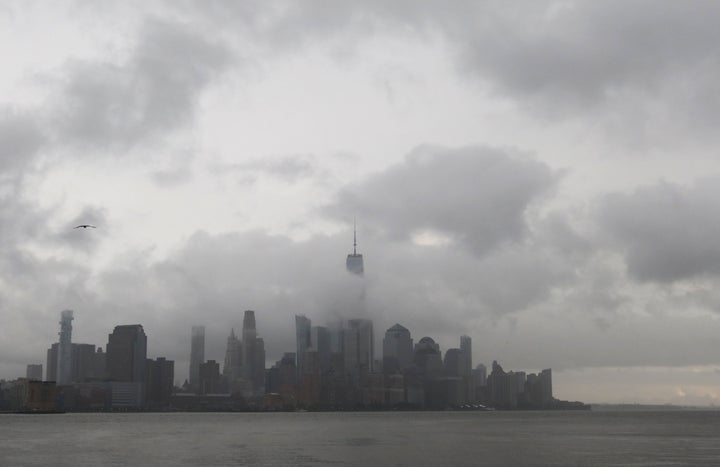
[[541, 176]]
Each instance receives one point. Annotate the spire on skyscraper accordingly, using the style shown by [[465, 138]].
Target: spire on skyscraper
[[354, 262]]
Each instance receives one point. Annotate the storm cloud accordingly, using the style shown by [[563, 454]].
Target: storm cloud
[[475, 196]]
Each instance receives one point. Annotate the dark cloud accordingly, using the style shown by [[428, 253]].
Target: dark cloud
[[155, 91], [477, 196], [584, 51], [667, 232]]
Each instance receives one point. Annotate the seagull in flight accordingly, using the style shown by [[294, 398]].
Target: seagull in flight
[[85, 226]]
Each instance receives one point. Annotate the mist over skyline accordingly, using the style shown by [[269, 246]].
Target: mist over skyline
[[539, 175]]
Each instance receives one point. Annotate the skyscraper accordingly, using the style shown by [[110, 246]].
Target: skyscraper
[[302, 339], [232, 366], [126, 353], [354, 262], [466, 367], [64, 365], [397, 349], [197, 354], [34, 372], [361, 351], [253, 355], [320, 338]]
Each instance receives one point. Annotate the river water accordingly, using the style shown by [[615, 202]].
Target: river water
[[363, 439]]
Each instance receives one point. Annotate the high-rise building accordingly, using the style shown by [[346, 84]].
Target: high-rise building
[[545, 380], [466, 367], [354, 262], [320, 338], [302, 339], [159, 377], [52, 361], [209, 381], [452, 361], [126, 353], [197, 354], [397, 349], [359, 349], [427, 357], [232, 366], [480, 376], [64, 365], [87, 364], [34, 372], [253, 355]]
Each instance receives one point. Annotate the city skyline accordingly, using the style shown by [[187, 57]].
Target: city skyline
[[337, 369], [539, 175]]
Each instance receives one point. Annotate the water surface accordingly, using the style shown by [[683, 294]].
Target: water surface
[[379, 438]]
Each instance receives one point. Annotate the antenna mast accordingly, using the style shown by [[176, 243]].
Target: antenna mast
[[354, 237]]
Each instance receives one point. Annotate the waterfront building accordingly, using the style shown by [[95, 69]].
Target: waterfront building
[[197, 354], [282, 377], [427, 357], [253, 356], [365, 344], [302, 339], [320, 339], [52, 361], [232, 367], [397, 349], [209, 381], [64, 352], [126, 354], [465, 370], [480, 375], [34, 372], [159, 377]]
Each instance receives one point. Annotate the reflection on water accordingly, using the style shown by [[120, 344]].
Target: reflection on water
[[382, 438]]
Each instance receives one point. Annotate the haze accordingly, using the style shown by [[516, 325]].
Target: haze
[[541, 176]]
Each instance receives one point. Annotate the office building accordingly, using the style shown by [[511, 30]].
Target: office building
[[34, 372], [232, 367], [64, 352], [397, 349], [197, 354], [159, 377], [126, 354], [302, 339]]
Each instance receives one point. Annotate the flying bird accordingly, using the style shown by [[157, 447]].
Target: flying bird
[[85, 226]]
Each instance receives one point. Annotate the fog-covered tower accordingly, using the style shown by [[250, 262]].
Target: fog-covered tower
[[354, 262], [64, 355]]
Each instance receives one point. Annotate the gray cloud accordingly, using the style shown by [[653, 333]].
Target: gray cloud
[[82, 239], [154, 92], [478, 196], [20, 139], [667, 232], [286, 168]]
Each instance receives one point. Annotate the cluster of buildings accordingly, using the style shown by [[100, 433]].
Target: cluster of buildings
[[84, 377], [333, 367]]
